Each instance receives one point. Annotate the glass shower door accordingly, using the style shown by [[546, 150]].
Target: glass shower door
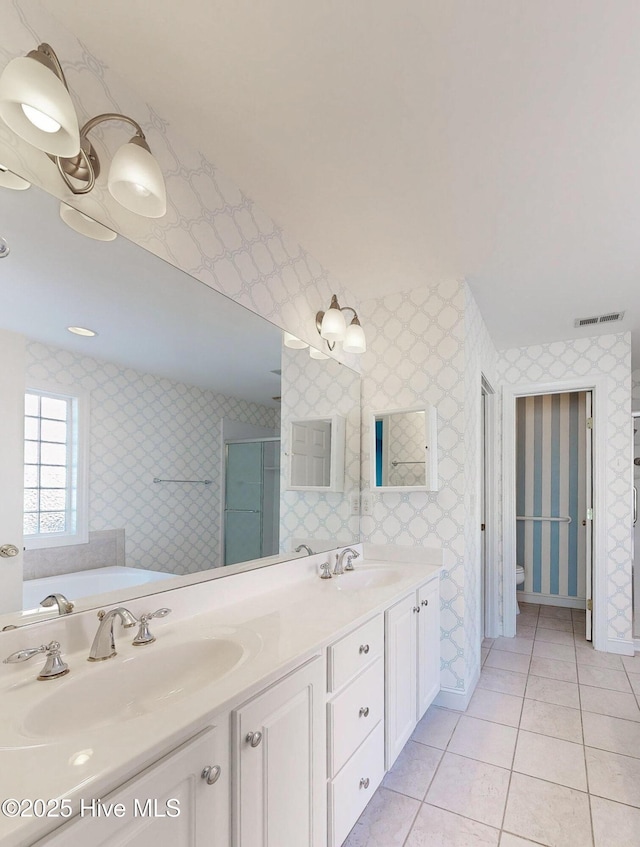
[[243, 503]]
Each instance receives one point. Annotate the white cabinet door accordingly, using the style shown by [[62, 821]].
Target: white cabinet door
[[428, 645], [400, 665], [151, 799], [280, 764]]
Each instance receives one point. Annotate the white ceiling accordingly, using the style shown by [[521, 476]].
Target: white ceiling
[[409, 142], [149, 315]]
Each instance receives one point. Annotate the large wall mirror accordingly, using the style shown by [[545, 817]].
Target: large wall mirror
[[153, 449]]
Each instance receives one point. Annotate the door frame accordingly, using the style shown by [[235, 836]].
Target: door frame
[[489, 469], [599, 388]]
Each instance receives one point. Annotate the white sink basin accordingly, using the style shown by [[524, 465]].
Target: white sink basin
[[152, 679], [367, 576]]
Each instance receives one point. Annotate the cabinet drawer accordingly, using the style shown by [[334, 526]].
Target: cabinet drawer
[[354, 713], [355, 651], [349, 792]]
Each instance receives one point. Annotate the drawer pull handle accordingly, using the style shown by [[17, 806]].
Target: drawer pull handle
[[364, 783], [211, 773], [425, 603], [416, 609], [364, 712], [364, 648], [254, 738]]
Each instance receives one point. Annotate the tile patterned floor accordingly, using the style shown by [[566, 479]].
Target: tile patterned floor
[[547, 753]]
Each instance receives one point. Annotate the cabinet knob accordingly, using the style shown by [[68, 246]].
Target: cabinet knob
[[364, 712], [425, 603], [254, 738], [416, 609], [211, 773], [364, 782], [364, 648]]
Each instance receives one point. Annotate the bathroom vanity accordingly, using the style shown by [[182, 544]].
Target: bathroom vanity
[[266, 713]]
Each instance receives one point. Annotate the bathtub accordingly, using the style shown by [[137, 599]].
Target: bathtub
[[87, 583]]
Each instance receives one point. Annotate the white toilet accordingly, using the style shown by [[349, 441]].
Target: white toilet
[[519, 583]]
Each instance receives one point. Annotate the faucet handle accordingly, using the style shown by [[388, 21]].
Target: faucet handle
[[350, 557], [325, 570], [144, 636], [53, 666]]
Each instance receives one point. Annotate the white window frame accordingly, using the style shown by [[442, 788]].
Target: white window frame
[[81, 443]]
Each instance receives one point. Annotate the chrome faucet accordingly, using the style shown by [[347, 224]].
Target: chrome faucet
[[304, 547], [53, 668], [65, 606], [103, 646], [351, 554]]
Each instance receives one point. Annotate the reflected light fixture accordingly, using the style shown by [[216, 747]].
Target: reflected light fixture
[[85, 225], [317, 354], [83, 331], [332, 326], [11, 180], [35, 103], [292, 341]]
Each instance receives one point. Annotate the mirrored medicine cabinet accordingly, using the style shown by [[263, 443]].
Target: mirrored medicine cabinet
[[404, 449]]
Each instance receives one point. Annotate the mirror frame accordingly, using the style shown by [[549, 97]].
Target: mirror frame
[[431, 449]]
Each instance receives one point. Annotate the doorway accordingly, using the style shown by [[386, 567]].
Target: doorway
[[553, 504], [489, 623]]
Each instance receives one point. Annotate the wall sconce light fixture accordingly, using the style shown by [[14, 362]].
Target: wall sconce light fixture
[[35, 103], [332, 326]]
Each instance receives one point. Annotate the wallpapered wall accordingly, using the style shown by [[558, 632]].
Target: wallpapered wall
[[212, 229], [144, 426], [317, 388], [608, 356]]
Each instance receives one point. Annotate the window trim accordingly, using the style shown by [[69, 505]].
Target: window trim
[[81, 534]]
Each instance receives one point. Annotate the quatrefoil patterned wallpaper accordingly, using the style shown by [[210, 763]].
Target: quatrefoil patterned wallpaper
[[427, 345]]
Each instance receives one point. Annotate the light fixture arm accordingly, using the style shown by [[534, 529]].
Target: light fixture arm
[[46, 55], [86, 165]]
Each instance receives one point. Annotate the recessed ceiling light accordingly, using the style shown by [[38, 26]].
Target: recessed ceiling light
[[81, 330]]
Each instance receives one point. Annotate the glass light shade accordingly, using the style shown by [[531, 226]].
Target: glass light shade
[[293, 342], [317, 354], [85, 225], [13, 181], [354, 339], [333, 325], [136, 181], [27, 82]]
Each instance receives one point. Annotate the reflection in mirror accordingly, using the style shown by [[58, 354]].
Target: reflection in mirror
[[327, 393], [316, 457], [151, 437], [405, 449]]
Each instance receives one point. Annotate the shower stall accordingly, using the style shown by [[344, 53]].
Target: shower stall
[[252, 499]]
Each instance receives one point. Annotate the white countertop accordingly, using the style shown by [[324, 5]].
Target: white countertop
[[283, 626]]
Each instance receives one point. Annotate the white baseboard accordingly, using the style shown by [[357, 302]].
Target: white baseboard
[[453, 698], [622, 646], [636, 644], [550, 600]]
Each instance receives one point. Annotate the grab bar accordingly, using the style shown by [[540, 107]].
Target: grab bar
[[542, 518]]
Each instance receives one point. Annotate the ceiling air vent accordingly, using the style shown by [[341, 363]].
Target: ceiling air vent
[[610, 317]]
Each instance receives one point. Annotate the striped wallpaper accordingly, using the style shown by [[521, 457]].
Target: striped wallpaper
[[550, 474]]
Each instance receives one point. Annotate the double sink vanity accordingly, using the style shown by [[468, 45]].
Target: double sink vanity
[[265, 712]]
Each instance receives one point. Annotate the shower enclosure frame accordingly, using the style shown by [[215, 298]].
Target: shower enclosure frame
[[598, 386]]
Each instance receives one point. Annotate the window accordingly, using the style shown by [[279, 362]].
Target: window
[[54, 484]]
